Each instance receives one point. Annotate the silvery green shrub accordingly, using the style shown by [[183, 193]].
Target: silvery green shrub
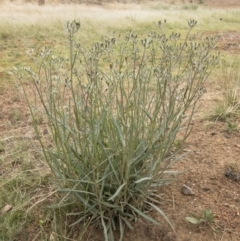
[[113, 112]]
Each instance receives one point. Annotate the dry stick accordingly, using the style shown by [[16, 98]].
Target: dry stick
[[224, 231], [36, 236], [173, 201], [41, 200]]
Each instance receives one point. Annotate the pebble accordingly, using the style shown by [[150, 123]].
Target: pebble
[[186, 190]]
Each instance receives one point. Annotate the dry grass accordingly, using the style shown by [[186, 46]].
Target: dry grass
[[16, 17], [33, 14]]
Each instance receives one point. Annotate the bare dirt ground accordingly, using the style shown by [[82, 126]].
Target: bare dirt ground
[[212, 150]]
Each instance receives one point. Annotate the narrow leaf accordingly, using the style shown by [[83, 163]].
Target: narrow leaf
[[119, 132], [161, 212], [193, 220], [121, 228], [127, 223], [143, 179], [104, 229], [117, 192], [78, 221], [109, 205], [145, 216], [78, 191]]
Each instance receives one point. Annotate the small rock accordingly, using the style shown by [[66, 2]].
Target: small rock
[[228, 173], [226, 135], [186, 190], [236, 177]]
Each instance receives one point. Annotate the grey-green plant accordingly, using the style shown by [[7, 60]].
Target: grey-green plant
[[206, 218], [113, 111]]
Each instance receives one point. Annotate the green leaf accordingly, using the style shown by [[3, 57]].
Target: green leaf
[[105, 231], [127, 223], [78, 191], [120, 134], [117, 192], [145, 216], [121, 227], [143, 179], [109, 205], [161, 212], [78, 221], [193, 220]]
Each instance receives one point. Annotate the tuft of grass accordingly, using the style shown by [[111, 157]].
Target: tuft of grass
[[114, 111], [231, 126], [229, 82], [205, 219], [15, 185]]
